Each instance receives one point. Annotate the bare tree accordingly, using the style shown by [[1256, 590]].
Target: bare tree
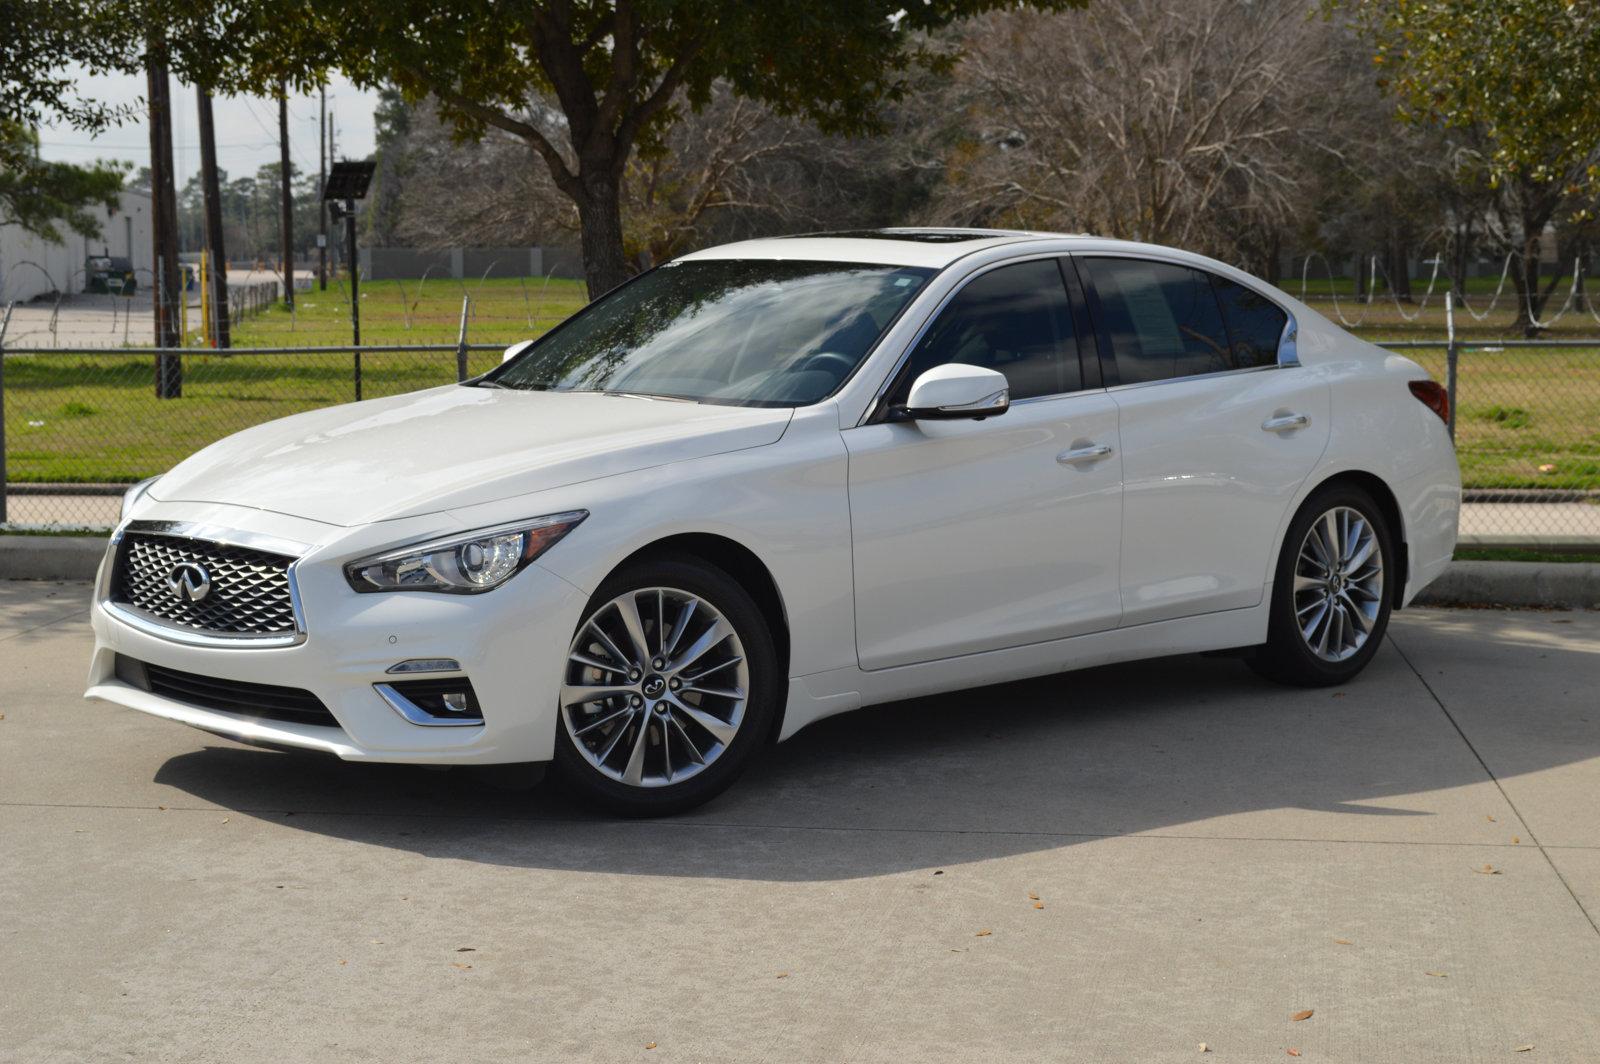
[[1187, 122]]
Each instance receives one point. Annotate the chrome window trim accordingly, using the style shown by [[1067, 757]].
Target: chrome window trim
[[916, 338], [415, 714], [1288, 343], [1193, 377], [232, 537]]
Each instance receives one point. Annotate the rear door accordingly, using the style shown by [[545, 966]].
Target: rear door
[[975, 535], [1217, 437]]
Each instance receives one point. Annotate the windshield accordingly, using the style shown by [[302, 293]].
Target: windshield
[[749, 332]]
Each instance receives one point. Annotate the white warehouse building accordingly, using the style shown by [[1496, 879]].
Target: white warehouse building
[[31, 267]]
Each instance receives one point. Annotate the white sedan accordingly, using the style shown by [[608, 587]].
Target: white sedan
[[778, 480]]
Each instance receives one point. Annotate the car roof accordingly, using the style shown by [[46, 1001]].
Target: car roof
[[932, 247]]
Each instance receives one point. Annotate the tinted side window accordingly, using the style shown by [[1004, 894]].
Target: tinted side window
[[1162, 319], [1015, 319], [1255, 323]]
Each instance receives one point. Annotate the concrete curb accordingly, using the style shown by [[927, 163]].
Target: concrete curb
[[50, 557], [1565, 585]]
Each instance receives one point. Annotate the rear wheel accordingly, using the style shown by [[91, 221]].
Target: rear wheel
[[671, 685], [1330, 596]]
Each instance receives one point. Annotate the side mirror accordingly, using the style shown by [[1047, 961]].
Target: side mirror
[[514, 350], [957, 391]]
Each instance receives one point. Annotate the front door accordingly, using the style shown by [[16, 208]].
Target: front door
[[976, 535]]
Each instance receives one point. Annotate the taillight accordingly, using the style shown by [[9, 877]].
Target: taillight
[[1433, 396]]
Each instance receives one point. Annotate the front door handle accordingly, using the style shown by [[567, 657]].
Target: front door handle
[[1285, 422], [1083, 455]]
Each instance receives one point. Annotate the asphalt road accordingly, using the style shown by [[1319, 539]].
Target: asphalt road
[[1414, 858]]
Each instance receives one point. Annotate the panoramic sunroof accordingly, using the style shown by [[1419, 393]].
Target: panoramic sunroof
[[916, 236]]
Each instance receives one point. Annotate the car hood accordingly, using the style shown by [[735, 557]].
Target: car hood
[[452, 447]]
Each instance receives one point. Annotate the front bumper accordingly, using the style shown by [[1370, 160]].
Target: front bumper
[[511, 644]]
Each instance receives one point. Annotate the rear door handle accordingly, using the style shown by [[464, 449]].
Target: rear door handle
[[1285, 422], [1083, 455]]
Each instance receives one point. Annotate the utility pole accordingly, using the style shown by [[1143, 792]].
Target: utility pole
[[286, 229], [216, 254], [332, 158], [168, 288], [322, 179]]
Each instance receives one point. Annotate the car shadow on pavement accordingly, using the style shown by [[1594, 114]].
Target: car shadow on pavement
[[1171, 746]]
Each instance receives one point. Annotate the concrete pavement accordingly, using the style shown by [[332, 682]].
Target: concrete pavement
[[1213, 853]]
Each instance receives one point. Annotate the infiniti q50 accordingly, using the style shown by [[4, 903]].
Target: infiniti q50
[[779, 480]]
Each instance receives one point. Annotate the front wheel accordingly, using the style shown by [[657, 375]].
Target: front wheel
[[1331, 594], [671, 685]]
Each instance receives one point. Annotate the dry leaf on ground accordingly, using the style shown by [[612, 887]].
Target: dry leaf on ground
[[1293, 1052], [1487, 870], [1343, 942], [466, 949], [1033, 895], [985, 933], [1204, 1048], [782, 975], [1516, 840], [1524, 1049], [463, 967], [1437, 975], [1303, 1014], [1038, 905], [649, 1045]]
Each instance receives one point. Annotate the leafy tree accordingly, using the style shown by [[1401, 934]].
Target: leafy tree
[[37, 41], [1525, 74], [620, 70]]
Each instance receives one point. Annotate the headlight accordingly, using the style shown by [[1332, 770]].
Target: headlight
[[134, 494], [467, 564]]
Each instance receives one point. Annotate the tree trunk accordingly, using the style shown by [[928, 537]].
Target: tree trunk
[[1400, 271], [600, 218], [1527, 279]]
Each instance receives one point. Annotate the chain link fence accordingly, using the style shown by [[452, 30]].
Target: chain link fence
[[82, 423]]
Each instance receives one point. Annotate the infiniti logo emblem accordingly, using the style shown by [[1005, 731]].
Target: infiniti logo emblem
[[189, 583], [654, 685]]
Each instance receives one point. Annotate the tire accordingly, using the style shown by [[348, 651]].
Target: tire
[[1326, 626], [660, 733]]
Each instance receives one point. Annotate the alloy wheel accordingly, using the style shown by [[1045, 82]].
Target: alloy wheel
[[1338, 584], [656, 687]]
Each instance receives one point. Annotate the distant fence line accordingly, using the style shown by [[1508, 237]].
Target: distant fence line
[[1525, 415]]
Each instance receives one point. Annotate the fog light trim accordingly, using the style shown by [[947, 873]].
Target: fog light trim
[[424, 718]]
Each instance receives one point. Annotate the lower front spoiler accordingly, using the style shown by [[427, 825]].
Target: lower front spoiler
[[279, 735]]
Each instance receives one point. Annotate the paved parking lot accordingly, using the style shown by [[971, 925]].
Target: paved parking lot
[[1414, 858]]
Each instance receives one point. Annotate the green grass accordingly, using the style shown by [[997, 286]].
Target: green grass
[[95, 418], [503, 311]]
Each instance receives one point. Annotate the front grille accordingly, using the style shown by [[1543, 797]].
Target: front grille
[[259, 701], [247, 592]]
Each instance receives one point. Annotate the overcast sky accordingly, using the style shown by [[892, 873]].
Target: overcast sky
[[247, 128]]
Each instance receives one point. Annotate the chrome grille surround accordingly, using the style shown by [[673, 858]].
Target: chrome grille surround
[[254, 600]]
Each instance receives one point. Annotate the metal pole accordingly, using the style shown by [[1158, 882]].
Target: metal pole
[[286, 222], [461, 341], [355, 286], [1450, 354], [322, 182], [5, 323]]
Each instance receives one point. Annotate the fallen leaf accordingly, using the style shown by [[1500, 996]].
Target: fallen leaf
[[162, 808], [963, 949], [1547, 468], [983, 934], [1303, 1014], [463, 967], [1524, 1049], [1033, 895], [783, 975], [1204, 1048], [1293, 1052], [344, 962], [1516, 840], [938, 872], [466, 949], [1490, 819], [649, 1045], [1038, 905], [1338, 694], [224, 820], [1343, 942], [1487, 870], [1437, 975]]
